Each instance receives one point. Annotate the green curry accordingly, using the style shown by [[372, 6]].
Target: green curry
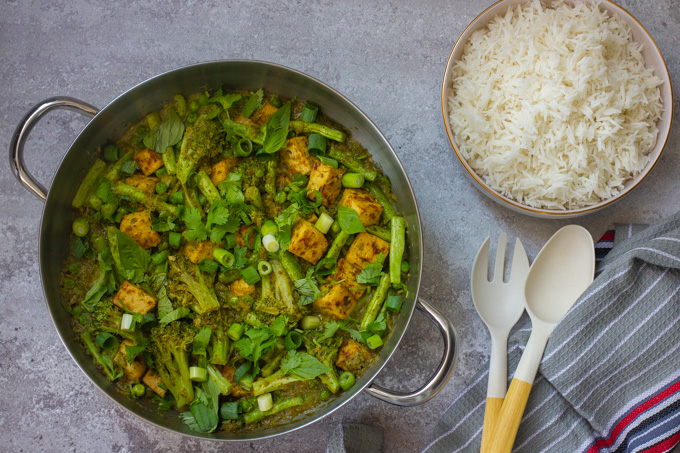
[[237, 257]]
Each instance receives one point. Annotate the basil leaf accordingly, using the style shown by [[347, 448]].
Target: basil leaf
[[302, 366], [159, 286], [253, 103], [349, 221], [134, 259], [167, 133], [174, 315], [276, 130]]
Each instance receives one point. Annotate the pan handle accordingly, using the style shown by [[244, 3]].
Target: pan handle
[[21, 133], [439, 378]]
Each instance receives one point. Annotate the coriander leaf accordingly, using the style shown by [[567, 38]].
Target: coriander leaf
[[174, 315], [240, 258], [308, 288], [167, 133], [254, 344], [379, 325], [165, 403], [278, 326], [231, 190], [276, 130], [225, 100], [253, 103], [302, 366], [284, 222], [218, 214], [349, 221], [195, 229], [163, 225], [331, 328], [370, 275]]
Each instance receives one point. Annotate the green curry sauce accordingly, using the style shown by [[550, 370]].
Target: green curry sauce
[[235, 257]]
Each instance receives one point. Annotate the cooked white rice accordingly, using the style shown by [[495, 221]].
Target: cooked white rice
[[554, 107]]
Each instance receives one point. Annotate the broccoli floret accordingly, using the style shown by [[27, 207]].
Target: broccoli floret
[[195, 284], [218, 323], [171, 359], [202, 139], [326, 351]]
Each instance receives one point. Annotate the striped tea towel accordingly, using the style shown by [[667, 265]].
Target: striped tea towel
[[610, 376]]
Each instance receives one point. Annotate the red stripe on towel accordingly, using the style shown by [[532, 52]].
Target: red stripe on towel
[[632, 415]]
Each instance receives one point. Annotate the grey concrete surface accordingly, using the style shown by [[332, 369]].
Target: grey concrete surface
[[388, 57]]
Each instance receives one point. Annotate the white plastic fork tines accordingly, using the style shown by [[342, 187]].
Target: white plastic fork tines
[[500, 305]]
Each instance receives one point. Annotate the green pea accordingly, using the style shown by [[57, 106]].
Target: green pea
[[138, 390], [324, 395]]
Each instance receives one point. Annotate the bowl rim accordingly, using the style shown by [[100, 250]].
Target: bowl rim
[[544, 212]]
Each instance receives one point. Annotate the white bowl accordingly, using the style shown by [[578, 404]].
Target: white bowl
[[653, 60]]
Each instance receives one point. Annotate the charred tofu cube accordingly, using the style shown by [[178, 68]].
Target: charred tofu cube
[[338, 302], [154, 381], [295, 156], [199, 251], [149, 161], [240, 288], [134, 299], [353, 356], [365, 204], [366, 249], [132, 371], [243, 120], [328, 181], [307, 242], [146, 184], [346, 273], [222, 168], [137, 225], [262, 116]]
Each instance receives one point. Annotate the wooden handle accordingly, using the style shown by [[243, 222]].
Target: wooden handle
[[493, 409], [511, 414]]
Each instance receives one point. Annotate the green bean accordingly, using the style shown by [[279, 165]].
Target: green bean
[[181, 104], [280, 405], [382, 233], [337, 245], [397, 248], [388, 208], [290, 264], [113, 174], [346, 380], [170, 161], [88, 183], [270, 177], [355, 165], [376, 302], [206, 186], [300, 127], [150, 201]]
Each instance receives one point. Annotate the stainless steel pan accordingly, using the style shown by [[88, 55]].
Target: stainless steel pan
[[111, 121]]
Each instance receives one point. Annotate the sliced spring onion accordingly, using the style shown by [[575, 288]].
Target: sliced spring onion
[[160, 257], [105, 340], [111, 153], [328, 161], [324, 223], [235, 331], [128, 168], [177, 197], [229, 410], [270, 243], [241, 372], [209, 266], [78, 247], [250, 275], [264, 268], [374, 342], [174, 239], [317, 145], [81, 227], [244, 147], [198, 374], [353, 180], [246, 382], [229, 241], [393, 303], [269, 227], [346, 380], [126, 321], [308, 114], [224, 257], [265, 402], [293, 340], [310, 322]]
